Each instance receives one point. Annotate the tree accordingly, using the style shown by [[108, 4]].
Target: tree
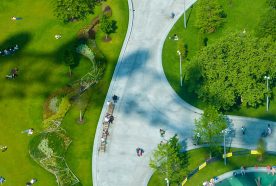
[[209, 128], [209, 15], [272, 3], [69, 60], [230, 73], [261, 148], [82, 103], [169, 161], [106, 25], [68, 10], [267, 24]]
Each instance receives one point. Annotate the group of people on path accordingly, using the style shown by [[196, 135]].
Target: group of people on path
[[265, 133]]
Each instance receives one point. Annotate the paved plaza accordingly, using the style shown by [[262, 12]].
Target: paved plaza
[[147, 102]]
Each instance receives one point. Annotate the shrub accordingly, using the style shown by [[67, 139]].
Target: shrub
[[209, 16], [267, 25], [62, 110]]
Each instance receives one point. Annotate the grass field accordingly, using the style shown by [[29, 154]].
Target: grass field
[[241, 15], [198, 156], [40, 74]]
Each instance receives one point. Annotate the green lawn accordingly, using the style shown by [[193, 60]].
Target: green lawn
[[40, 74], [198, 156], [240, 15]]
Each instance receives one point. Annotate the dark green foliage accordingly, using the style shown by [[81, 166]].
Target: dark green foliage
[[69, 10], [209, 128], [183, 48], [267, 24], [106, 25], [210, 15], [261, 148], [272, 3], [231, 71], [69, 60], [168, 160]]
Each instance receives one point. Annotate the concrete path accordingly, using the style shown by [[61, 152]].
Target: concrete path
[[147, 102]]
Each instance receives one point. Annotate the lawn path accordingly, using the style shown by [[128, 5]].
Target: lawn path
[[147, 102]]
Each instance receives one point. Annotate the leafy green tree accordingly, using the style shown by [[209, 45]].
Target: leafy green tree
[[209, 15], [169, 161], [261, 148], [272, 3], [230, 72], [67, 10], [68, 58], [106, 25], [267, 24], [209, 128]]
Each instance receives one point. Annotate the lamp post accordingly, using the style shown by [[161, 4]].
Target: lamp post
[[267, 99], [225, 131], [167, 181], [224, 148], [185, 25], [180, 66]]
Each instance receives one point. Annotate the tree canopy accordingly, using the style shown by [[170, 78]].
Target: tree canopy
[[231, 71], [106, 25], [209, 15], [210, 126], [169, 161], [267, 24], [67, 10]]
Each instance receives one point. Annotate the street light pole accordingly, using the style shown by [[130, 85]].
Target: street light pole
[[267, 99], [185, 25], [168, 182], [224, 147], [180, 66]]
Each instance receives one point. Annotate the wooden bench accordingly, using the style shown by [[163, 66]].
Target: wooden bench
[[110, 108]]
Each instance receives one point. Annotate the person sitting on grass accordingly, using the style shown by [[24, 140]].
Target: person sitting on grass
[[3, 148], [2, 180], [28, 131]]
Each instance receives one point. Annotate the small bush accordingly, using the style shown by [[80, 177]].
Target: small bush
[[62, 110], [210, 16]]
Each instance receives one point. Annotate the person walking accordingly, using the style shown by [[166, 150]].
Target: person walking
[[243, 130]]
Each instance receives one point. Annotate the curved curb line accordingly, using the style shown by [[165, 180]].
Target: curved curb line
[[95, 152], [165, 80]]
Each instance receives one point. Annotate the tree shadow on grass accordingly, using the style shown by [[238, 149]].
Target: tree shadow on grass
[[21, 39], [32, 72]]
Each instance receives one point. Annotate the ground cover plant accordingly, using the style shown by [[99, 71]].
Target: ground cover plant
[[41, 74], [193, 40]]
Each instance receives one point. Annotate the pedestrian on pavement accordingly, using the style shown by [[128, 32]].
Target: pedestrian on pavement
[[115, 98], [162, 132], [138, 151], [172, 15], [242, 170], [243, 130], [141, 152], [269, 131], [268, 169]]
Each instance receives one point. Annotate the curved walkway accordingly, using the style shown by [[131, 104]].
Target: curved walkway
[[147, 102]]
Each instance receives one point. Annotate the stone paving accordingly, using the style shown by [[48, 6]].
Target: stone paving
[[147, 102]]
